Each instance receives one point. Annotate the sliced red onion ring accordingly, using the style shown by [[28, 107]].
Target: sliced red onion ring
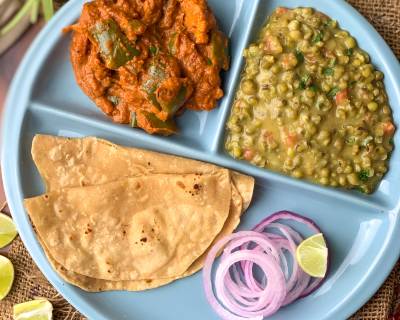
[[272, 298], [286, 215], [238, 293], [314, 283]]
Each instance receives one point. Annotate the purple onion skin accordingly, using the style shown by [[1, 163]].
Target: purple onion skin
[[287, 215]]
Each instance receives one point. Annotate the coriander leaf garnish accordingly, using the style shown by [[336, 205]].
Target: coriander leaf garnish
[[318, 37], [349, 52], [352, 83], [328, 71], [305, 81], [299, 56], [333, 92], [363, 175]]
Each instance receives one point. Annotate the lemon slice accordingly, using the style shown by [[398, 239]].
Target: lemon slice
[[312, 256], [6, 276], [7, 230], [40, 309]]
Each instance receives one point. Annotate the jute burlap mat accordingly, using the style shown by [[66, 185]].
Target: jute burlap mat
[[30, 283]]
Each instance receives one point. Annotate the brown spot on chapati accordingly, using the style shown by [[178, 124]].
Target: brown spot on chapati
[[181, 184], [138, 185], [143, 239], [148, 163], [124, 232], [46, 196], [152, 230], [149, 281], [109, 271]]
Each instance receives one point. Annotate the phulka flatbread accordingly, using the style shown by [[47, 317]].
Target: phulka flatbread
[[72, 162], [66, 162], [118, 231], [96, 285]]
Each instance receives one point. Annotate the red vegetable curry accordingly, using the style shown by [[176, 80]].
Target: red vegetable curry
[[144, 61]]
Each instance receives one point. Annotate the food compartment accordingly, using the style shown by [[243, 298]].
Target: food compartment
[[385, 195], [56, 85]]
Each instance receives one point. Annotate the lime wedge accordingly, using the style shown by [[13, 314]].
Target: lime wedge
[[40, 309], [6, 276], [7, 230], [312, 256]]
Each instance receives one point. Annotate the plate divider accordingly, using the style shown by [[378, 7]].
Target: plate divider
[[162, 145], [234, 79]]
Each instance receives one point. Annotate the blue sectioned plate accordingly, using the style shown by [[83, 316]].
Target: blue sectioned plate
[[362, 231]]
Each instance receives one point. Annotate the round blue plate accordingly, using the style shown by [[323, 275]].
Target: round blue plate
[[362, 231]]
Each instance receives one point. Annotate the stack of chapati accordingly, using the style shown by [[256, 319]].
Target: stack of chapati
[[117, 218]]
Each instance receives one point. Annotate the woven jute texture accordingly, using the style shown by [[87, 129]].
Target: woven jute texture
[[30, 283]]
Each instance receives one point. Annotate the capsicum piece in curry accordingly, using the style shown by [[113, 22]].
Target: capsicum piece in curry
[[144, 62]]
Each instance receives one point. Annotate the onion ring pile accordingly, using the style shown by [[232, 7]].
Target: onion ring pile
[[240, 293]]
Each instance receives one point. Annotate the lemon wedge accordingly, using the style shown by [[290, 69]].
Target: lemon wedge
[[6, 276], [40, 309], [312, 256], [8, 231]]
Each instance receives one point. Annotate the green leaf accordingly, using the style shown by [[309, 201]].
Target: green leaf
[[305, 81], [330, 23], [352, 83], [48, 9], [18, 17], [333, 92], [314, 88], [318, 37], [328, 71], [209, 62], [363, 175], [360, 189], [35, 12], [349, 52], [299, 56]]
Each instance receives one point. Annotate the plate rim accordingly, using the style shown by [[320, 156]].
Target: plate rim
[[28, 237]]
